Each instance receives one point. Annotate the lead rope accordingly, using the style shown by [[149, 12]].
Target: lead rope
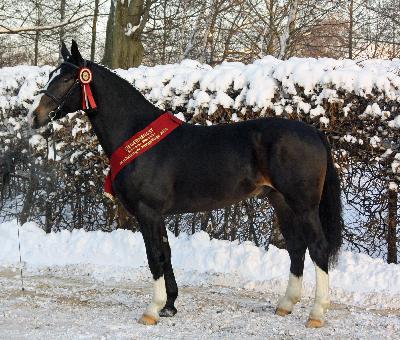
[[52, 133], [20, 261], [19, 251]]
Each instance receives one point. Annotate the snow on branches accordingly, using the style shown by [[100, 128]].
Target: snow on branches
[[355, 102]]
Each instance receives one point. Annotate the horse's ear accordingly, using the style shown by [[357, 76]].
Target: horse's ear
[[64, 51], [75, 52]]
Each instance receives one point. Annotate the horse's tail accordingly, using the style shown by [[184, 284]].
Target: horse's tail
[[330, 207]]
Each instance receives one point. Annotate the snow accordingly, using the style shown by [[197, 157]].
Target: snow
[[374, 141], [37, 141], [69, 305], [318, 111], [19, 84], [96, 285], [395, 123], [358, 279], [396, 163], [237, 86], [130, 29]]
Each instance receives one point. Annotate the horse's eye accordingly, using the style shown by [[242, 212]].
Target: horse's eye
[[66, 79]]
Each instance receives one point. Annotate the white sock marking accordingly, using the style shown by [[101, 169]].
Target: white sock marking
[[293, 293], [159, 299], [321, 302]]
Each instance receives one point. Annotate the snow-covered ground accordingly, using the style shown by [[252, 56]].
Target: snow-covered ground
[[66, 305], [95, 284]]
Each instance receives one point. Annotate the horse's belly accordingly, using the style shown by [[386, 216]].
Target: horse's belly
[[213, 197]]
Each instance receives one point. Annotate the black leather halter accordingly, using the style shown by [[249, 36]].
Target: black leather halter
[[60, 101]]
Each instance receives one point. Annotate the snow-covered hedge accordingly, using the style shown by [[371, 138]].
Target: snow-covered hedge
[[295, 85], [357, 104], [326, 92]]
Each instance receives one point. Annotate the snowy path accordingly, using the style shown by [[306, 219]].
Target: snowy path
[[63, 305]]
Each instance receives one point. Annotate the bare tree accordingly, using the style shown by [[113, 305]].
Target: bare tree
[[288, 30], [62, 28], [126, 25], [94, 30]]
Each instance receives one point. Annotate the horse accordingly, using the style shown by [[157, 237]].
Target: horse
[[197, 168]]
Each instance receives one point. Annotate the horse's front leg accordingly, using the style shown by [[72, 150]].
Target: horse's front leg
[[152, 226], [170, 282]]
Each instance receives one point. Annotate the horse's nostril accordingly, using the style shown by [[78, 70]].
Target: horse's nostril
[[32, 118]]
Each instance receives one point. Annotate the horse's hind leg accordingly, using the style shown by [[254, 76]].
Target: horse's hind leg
[[296, 247], [319, 253]]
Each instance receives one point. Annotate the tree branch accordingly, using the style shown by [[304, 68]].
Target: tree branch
[[18, 30]]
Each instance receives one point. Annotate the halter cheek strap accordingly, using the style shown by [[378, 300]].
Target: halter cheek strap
[[59, 101], [85, 77]]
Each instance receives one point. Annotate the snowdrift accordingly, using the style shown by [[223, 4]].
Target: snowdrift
[[357, 279]]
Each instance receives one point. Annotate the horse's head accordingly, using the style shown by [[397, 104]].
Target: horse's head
[[62, 94]]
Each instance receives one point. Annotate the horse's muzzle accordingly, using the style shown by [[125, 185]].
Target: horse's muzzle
[[33, 120]]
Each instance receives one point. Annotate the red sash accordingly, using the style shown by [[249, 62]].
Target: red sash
[[138, 144]]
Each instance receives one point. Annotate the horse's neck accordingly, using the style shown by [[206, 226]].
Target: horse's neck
[[121, 110]]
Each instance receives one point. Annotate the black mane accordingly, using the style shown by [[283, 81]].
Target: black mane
[[114, 75]]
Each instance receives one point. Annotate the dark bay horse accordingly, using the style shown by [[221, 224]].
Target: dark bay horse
[[198, 168]]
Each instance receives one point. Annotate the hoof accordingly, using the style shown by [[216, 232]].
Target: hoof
[[168, 312], [147, 320], [314, 323], [282, 312]]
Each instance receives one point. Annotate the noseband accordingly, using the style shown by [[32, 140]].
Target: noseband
[[60, 101]]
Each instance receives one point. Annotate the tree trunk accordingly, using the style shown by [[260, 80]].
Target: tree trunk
[[276, 237], [124, 219], [288, 31], [271, 15], [165, 33], [124, 48], [176, 225], [109, 41], [209, 35], [192, 35], [351, 14], [392, 226], [205, 217], [35, 61], [37, 34], [235, 221], [48, 218], [227, 212], [94, 30], [194, 216], [250, 214], [62, 28]]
